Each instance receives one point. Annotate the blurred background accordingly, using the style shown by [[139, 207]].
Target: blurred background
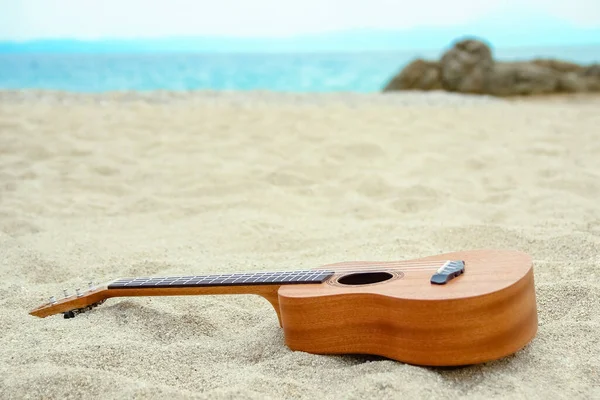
[[299, 46]]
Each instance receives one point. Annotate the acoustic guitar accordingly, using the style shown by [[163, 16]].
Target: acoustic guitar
[[449, 309]]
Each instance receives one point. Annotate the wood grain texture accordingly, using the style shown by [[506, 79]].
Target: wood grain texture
[[487, 313]]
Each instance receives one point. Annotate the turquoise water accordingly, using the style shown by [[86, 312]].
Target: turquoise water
[[355, 72]]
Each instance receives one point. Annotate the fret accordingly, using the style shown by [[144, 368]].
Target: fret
[[236, 279]]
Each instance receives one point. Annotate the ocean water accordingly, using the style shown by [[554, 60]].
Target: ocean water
[[352, 72]]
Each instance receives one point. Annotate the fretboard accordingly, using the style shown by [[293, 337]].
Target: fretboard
[[252, 278]]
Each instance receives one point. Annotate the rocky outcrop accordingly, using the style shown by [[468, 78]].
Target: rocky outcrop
[[517, 79], [469, 67], [419, 74], [558, 65]]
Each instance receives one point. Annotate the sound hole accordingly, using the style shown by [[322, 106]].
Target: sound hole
[[365, 278]]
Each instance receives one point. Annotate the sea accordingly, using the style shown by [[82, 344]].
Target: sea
[[317, 72]]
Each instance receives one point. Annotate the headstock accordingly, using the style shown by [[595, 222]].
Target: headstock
[[72, 304]]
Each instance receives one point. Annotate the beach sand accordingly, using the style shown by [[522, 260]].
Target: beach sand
[[110, 185]]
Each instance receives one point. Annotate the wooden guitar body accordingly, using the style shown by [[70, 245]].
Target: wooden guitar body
[[485, 314], [483, 311]]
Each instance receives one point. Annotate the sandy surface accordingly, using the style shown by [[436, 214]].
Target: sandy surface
[[98, 187]]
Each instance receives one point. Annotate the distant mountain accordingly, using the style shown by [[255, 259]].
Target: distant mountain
[[503, 29]]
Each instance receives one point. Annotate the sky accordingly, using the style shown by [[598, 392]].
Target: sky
[[97, 19]]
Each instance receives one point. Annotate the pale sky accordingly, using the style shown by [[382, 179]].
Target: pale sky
[[86, 19]]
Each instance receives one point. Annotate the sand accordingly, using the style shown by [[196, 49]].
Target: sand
[[103, 186]]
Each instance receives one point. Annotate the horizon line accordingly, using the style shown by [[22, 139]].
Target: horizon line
[[301, 35], [284, 52]]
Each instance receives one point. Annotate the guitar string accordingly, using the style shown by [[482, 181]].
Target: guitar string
[[388, 264], [346, 268], [312, 272], [374, 270], [357, 266], [308, 282], [385, 263], [345, 271], [383, 266]]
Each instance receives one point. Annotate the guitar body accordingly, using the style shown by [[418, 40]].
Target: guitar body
[[445, 310], [484, 314]]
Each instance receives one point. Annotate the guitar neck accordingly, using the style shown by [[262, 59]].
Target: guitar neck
[[264, 284]]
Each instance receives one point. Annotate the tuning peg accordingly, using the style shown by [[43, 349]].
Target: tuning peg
[[91, 285], [65, 293], [78, 292], [52, 299]]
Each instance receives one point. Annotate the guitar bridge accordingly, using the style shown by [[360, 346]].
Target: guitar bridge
[[447, 272]]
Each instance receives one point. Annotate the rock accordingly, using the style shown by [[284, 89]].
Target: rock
[[571, 83], [592, 83], [418, 75], [559, 66], [521, 78], [591, 77], [593, 71], [466, 67]]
